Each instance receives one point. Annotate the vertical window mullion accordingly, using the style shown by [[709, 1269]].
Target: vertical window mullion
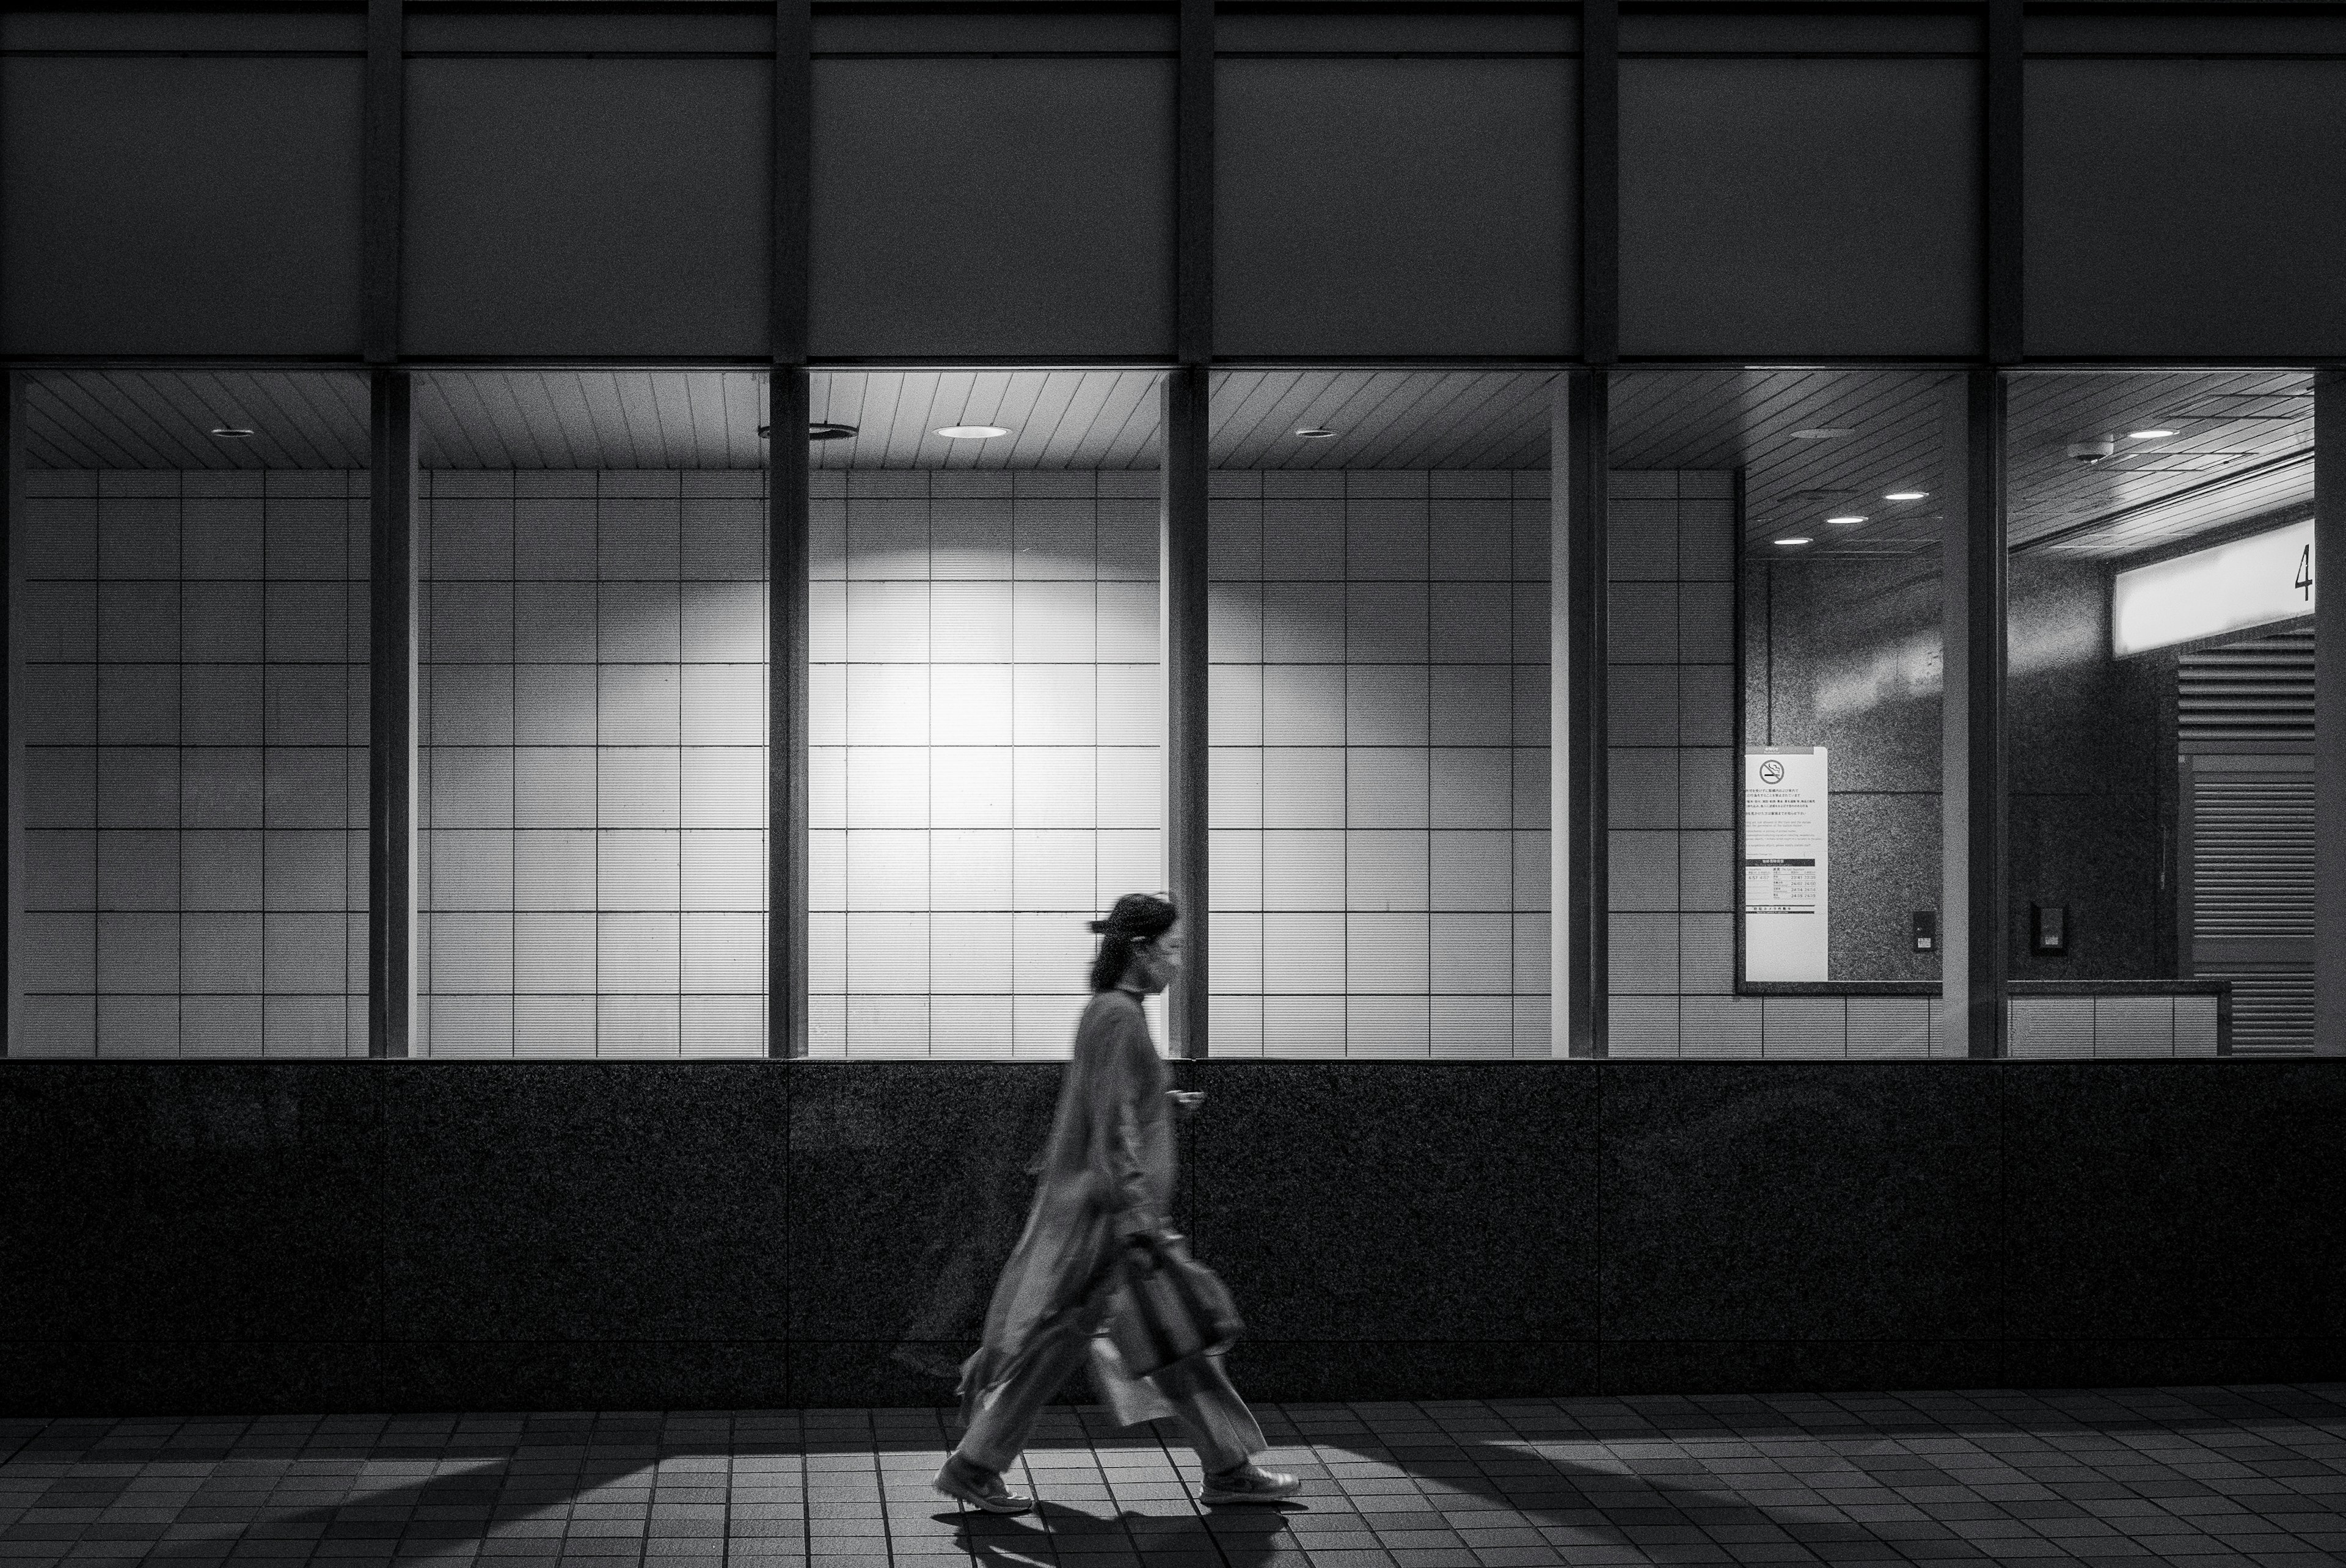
[[788, 559], [392, 700], [2329, 713], [11, 784]]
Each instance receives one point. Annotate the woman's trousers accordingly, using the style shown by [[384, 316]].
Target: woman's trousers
[[1196, 1395]]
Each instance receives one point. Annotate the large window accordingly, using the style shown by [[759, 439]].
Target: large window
[[1774, 610], [193, 639], [591, 790], [987, 712], [2160, 713], [1379, 724]]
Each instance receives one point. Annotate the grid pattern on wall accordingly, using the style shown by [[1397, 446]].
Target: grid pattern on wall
[[1378, 726], [2080, 1026], [1671, 793], [987, 722], [592, 777], [195, 718]]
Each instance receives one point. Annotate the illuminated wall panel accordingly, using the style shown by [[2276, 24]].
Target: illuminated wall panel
[[986, 727], [593, 777]]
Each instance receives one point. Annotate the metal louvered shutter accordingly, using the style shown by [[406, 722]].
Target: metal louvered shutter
[[2245, 726], [2255, 696]]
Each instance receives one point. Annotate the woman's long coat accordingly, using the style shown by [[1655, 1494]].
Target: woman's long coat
[[1106, 1171]]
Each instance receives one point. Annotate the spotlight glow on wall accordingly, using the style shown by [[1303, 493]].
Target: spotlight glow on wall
[[971, 431], [2252, 582], [2148, 435], [1847, 520], [1907, 495], [233, 431], [1316, 433], [1793, 541]]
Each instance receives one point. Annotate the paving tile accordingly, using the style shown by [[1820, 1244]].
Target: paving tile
[[2192, 1477]]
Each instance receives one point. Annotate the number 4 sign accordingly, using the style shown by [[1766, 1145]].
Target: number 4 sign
[[2259, 581]]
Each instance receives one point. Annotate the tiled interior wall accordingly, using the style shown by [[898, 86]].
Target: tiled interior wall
[[592, 786], [1380, 763], [1670, 695], [986, 720], [195, 718], [2080, 1026], [986, 729]]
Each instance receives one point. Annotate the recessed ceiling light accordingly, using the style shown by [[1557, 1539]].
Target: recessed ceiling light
[[1316, 433], [971, 431], [1906, 496], [1796, 539], [233, 431], [1823, 433], [2148, 435], [1846, 520]]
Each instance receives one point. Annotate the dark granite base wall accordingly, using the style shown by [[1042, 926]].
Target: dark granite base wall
[[259, 1236]]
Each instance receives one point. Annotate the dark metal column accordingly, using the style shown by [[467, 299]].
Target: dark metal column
[[1577, 879], [1181, 536], [788, 645], [1182, 557], [1975, 960], [12, 786], [2330, 713], [1976, 963], [788, 561], [1577, 886], [390, 736]]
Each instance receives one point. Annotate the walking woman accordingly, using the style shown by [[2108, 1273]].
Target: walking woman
[[1106, 1177]]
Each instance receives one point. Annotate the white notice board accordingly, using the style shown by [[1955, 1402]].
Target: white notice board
[[1786, 881]]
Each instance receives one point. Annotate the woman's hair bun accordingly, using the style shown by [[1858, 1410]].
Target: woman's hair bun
[[1136, 918]]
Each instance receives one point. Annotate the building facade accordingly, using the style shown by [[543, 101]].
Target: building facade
[[1577, 541]]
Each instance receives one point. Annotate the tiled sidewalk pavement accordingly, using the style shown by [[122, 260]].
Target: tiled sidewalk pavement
[[2191, 1476]]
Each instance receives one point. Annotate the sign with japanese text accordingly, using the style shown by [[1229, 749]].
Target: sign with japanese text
[[1786, 883]]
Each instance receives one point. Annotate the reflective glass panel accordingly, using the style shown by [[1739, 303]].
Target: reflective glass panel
[[2159, 713], [1379, 713], [987, 711], [592, 738], [1774, 674]]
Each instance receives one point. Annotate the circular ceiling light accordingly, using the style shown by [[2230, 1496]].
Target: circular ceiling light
[[1845, 521], [2149, 434], [1823, 433], [1316, 433], [971, 431], [233, 431], [1906, 496], [1792, 541]]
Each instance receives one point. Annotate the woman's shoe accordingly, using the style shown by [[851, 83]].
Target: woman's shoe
[[979, 1487], [1249, 1483]]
